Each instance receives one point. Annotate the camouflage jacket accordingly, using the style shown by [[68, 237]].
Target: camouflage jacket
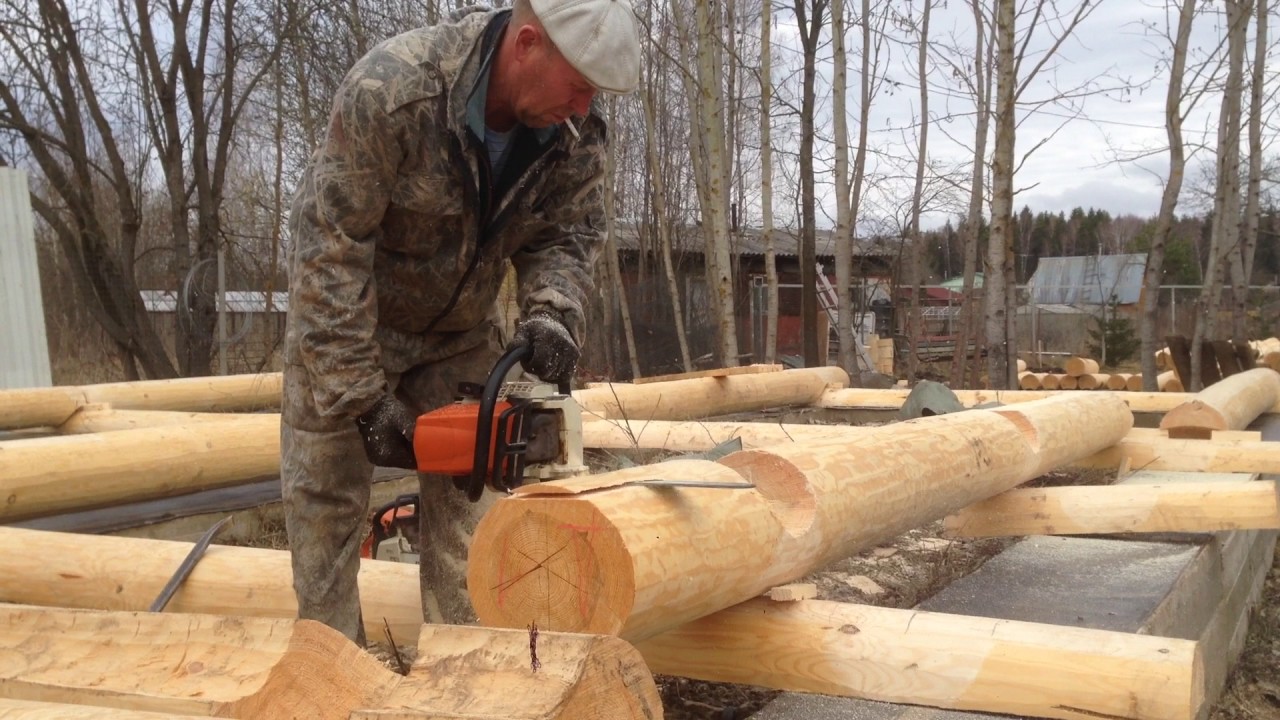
[[399, 237]]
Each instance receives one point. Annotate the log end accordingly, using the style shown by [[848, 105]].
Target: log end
[[553, 561]]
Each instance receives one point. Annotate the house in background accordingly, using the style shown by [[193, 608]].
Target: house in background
[[1066, 294], [649, 300]]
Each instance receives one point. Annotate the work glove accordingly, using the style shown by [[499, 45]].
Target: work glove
[[387, 431], [555, 354]]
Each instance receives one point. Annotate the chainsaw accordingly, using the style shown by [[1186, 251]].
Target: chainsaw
[[495, 435]]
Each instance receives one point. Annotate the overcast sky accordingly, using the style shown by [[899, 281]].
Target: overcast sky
[[1077, 166]]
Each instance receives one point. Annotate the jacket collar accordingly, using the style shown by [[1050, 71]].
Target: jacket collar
[[474, 78]]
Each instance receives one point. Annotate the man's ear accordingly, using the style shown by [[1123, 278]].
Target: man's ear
[[528, 40]]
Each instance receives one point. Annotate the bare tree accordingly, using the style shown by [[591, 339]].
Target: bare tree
[[664, 234], [844, 232], [766, 183], [1224, 250], [1174, 115], [611, 251], [809, 17], [913, 276], [1257, 84]]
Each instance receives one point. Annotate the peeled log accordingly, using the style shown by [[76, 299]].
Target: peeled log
[[488, 674], [1030, 380], [1230, 404], [860, 398], [1051, 381], [703, 397], [1077, 366], [190, 664], [50, 407], [949, 661], [43, 476], [1118, 381], [1093, 381], [1168, 381], [118, 573], [600, 555], [29, 710], [104, 418], [255, 668], [1192, 507], [1068, 382]]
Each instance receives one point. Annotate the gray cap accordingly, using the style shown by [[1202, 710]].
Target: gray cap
[[599, 38]]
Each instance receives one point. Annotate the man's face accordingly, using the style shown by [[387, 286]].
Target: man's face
[[551, 90]]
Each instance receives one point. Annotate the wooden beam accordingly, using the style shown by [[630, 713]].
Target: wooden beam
[[704, 397], [50, 407], [864, 398], [186, 664], [1125, 508], [43, 476], [117, 573], [937, 659], [713, 372], [491, 674], [1230, 404], [603, 554], [254, 668]]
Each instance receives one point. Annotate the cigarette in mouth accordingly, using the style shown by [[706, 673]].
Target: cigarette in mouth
[[568, 122]]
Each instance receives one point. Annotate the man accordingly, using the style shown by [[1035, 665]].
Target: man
[[450, 150]]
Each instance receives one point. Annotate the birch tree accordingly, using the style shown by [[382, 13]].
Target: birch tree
[[1000, 247], [1257, 85], [846, 355]]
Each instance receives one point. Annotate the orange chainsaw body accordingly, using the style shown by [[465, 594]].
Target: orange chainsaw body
[[444, 440]]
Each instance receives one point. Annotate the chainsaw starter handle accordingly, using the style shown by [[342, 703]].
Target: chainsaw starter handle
[[516, 352]]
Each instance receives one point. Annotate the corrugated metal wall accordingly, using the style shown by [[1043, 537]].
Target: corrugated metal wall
[[24, 349]]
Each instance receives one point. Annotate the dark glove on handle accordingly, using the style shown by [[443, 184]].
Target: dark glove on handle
[[555, 355], [387, 431]]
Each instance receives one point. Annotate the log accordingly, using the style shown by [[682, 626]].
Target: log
[[253, 668], [1031, 381], [1168, 382], [1188, 456], [187, 664], [864, 398], [1068, 382], [693, 436], [603, 555], [50, 407], [1077, 366], [117, 573], [938, 659], [1135, 385], [44, 476], [29, 710], [1022, 365], [713, 372], [96, 418], [1191, 507], [1118, 381], [1093, 381], [704, 397], [1051, 381], [489, 674], [1230, 404]]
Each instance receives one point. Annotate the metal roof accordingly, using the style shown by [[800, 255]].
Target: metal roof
[[24, 346], [1088, 280], [750, 241]]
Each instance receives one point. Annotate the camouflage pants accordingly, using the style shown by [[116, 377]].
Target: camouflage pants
[[325, 481]]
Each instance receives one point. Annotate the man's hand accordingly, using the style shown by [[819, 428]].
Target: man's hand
[[555, 355], [387, 430]]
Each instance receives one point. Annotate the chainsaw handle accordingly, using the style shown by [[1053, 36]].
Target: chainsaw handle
[[516, 352]]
